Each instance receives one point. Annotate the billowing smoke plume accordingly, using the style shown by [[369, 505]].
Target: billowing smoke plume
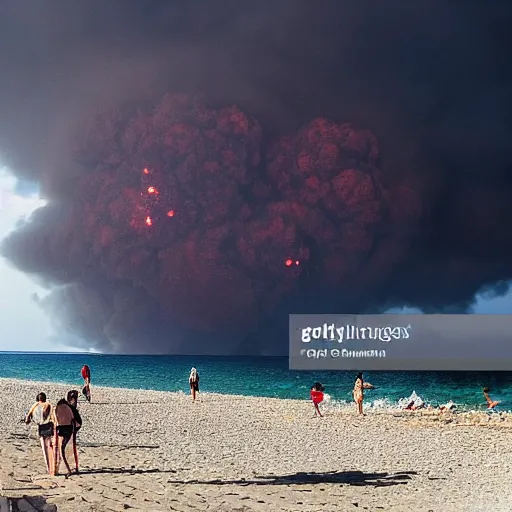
[[300, 167]]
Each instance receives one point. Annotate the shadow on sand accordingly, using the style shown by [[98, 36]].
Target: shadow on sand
[[37, 503], [331, 477], [123, 446], [123, 471]]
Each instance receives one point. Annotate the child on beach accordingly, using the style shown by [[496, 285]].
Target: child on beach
[[193, 380], [491, 404], [64, 420], [317, 397], [41, 414], [358, 392]]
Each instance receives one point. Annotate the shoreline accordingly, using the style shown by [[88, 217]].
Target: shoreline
[[159, 451], [341, 406]]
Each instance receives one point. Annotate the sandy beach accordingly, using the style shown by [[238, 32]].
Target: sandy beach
[[156, 451]]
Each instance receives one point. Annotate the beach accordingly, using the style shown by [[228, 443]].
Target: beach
[[159, 451]]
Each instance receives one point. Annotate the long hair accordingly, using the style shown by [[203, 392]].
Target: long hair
[[193, 374]]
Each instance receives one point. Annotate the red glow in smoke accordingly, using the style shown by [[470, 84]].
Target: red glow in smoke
[[241, 203]]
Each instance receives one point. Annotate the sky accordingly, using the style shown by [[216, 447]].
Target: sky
[[373, 145], [25, 327]]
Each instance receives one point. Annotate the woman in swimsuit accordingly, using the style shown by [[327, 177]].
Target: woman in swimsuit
[[64, 420], [491, 404], [358, 392], [193, 380], [41, 414]]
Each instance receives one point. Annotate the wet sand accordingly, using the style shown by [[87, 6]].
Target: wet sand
[[156, 451]]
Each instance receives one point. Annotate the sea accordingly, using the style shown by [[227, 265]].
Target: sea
[[257, 376]]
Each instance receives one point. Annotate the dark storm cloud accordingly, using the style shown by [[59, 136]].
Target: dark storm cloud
[[413, 212]]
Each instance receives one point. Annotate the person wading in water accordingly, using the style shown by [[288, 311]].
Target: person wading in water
[[491, 404]]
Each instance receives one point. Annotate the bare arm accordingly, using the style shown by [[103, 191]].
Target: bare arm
[[28, 417]]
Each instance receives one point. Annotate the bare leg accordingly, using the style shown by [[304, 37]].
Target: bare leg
[[194, 394], [44, 447], [49, 450], [75, 451], [317, 410], [64, 443], [56, 461]]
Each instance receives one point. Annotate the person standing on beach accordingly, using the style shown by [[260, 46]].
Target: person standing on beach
[[491, 404], [317, 397], [358, 392], [86, 375], [193, 380], [64, 421], [72, 399], [41, 414]]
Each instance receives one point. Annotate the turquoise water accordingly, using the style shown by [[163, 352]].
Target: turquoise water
[[266, 377]]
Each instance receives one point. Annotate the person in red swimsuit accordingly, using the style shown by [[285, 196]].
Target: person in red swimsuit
[[317, 397], [86, 375]]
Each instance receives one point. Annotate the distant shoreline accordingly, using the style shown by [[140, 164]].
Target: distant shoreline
[[109, 389], [108, 354]]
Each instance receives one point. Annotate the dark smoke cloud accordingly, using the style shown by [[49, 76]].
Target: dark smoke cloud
[[370, 143]]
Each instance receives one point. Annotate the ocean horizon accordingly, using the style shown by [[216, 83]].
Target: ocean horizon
[[266, 376]]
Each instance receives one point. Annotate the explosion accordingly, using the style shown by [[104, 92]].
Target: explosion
[[178, 228], [259, 221]]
